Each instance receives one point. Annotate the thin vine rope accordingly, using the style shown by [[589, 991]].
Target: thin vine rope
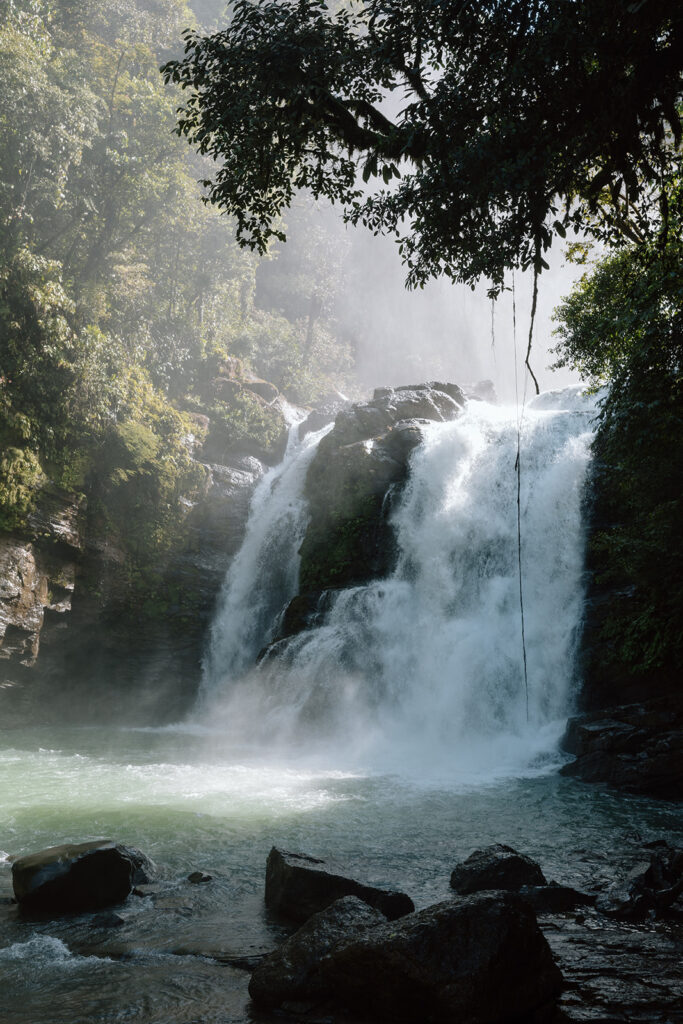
[[518, 470]]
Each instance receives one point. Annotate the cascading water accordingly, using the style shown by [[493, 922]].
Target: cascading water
[[263, 576], [425, 667]]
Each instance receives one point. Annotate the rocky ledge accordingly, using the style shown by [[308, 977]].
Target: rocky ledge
[[635, 747]]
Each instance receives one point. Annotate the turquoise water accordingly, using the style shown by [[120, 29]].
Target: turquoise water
[[190, 803]]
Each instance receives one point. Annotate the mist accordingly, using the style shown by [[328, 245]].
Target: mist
[[447, 331]]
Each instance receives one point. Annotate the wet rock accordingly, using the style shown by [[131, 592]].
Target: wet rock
[[323, 414], [144, 868], [617, 971], [107, 921], [554, 898], [496, 867], [651, 888], [357, 471], [74, 877], [298, 886], [290, 972], [198, 878], [481, 958], [635, 747]]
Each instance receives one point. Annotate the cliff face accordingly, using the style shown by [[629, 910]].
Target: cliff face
[[629, 733], [89, 631]]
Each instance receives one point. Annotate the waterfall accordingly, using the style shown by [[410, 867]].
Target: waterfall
[[425, 665], [264, 575]]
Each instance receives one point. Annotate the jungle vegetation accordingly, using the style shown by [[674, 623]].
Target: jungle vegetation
[[122, 295]]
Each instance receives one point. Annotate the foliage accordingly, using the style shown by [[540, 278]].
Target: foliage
[[120, 291], [496, 144], [623, 324], [20, 476]]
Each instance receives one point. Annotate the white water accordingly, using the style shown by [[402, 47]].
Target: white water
[[423, 671], [264, 574]]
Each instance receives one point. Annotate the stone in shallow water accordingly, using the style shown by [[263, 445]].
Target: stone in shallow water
[[496, 867], [74, 877], [298, 886], [198, 877]]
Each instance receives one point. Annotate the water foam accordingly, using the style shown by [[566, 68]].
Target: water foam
[[423, 671]]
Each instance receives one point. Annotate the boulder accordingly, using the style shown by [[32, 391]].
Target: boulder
[[298, 886], [75, 877], [496, 867], [358, 465], [476, 960], [263, 388], [290, 972]]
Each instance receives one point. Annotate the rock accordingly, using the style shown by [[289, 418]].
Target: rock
[[358, 466], [290, 972], [107, 921], [263, 388], [478, 959], [32, 582], [323, 414], [144, 869], [198, 877], [74, 877], [298, 886], [496, 867], [651, 888], [634, 747], [554, 898]]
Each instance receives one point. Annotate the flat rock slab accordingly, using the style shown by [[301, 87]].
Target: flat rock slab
[[479, 959], [75, 877], [298, 886], [496, 867], [617, 971]]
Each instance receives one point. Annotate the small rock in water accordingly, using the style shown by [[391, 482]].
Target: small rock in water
[[298, 886], [197, 877], [496, 867], [74, 877]]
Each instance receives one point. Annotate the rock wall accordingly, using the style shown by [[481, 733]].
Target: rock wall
[[629, 733], [75, 638]]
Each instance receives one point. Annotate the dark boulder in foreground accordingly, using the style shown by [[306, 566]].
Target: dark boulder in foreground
[[78, 877], [298, 886], [496, 867], [481, 959], [290, 972]]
